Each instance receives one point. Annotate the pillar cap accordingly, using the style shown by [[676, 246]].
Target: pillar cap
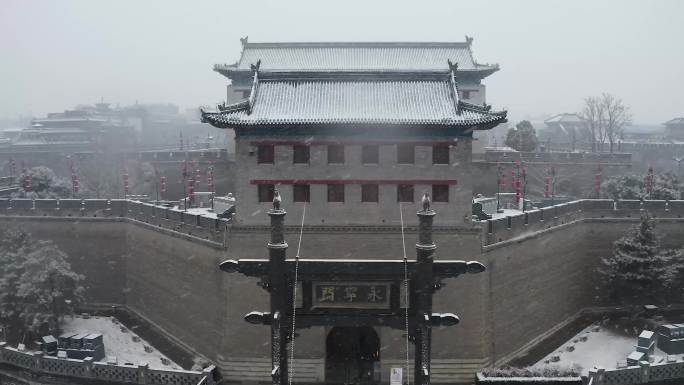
[[230, 266], [274, 212], [429, 213], [426, 247]]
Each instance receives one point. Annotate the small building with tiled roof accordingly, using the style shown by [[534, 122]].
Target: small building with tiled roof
[[563, 130], [352, 130]]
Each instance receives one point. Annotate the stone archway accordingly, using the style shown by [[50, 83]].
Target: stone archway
[[351, 353]]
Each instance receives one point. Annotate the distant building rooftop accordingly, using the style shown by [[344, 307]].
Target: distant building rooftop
[[675, 122], [565, 118]]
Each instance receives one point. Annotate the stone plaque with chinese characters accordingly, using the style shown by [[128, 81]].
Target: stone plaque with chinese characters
[[356, 295]]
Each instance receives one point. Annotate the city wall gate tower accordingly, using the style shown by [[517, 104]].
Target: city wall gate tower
[[352, 295]]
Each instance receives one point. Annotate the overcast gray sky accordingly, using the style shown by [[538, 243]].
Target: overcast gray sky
[[56, 54]]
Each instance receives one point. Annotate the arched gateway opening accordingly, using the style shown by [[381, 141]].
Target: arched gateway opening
[[351, 353]]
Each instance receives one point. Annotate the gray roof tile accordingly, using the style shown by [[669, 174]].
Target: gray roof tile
[[407, 100], [362, 56]]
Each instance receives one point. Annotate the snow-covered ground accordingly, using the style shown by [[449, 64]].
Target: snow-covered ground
[[596, 346], [118, 341]]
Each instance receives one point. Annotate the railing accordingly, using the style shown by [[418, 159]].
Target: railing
[[643, 374], [200, 226], [210, 154], [558, 157], [139, 373], [513, 226]]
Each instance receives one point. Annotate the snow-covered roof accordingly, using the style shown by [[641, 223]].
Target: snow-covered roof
[[408, 98], [565, 118], [674, 122], [357, 56]]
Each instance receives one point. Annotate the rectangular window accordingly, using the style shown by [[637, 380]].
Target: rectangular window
[[370, 155], [335, 154], [265, 154], [369, 193], [335, 193], [300, 154], [440, 193], [465, 94], [405, 193], [405, 154], [301, 193], [266, 192], [440, 154]]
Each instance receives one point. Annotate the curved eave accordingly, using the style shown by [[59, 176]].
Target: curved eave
[[219, 120], [231, 72], [226, 70]]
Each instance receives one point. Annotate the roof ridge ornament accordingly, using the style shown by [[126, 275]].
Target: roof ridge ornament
[[243, 40], [255, 85], [426, 202], [276, 200], [255, 67], [468, 40], [453, 67]]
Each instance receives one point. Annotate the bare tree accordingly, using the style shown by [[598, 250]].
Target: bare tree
[[605, 117], [616, 117], [592, 114]]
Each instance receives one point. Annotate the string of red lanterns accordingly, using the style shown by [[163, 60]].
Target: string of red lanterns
[[597, 181], [648, 182]]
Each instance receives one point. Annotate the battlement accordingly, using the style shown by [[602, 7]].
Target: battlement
[[532, 221], [213, 229], [195, 225], [208, 155], [645, 146], [558, 157], [135, 373]]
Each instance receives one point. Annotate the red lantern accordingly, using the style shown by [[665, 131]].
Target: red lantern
[[547, 184], [597, 182], [162, 184], [125, 180], [191, 190], [648, 183]]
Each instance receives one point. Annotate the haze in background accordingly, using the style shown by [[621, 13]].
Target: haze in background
[[56, 54]]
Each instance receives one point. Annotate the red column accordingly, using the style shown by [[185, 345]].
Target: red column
[[597, 182]]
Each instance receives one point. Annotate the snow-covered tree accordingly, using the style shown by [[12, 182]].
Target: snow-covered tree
[[37, 285], [624, 187], [666, 186], [637, 271], [523, 137], [42, 182]]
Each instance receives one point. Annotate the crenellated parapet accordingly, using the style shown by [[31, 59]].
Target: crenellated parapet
[[201, 156], [88, 369], [558, 157], [186, 223], [531, 222]]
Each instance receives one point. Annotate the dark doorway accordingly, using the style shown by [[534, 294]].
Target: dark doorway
[[351, 355]]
